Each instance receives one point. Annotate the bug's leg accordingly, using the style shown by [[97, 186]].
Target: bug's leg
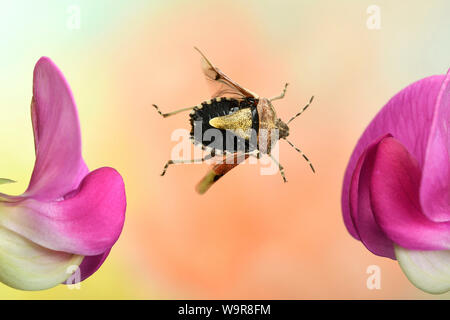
[[165, 115], [280, 167], [303, 155], [301, 111], [255, 153], [168, 163], [281, 96]]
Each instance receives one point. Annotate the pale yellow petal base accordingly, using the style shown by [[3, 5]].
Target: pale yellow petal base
[[427, 270], [27, 266]]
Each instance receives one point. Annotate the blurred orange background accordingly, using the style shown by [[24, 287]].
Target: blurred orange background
[[250, 235]]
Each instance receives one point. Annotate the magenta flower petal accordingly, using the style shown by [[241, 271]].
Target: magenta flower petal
[[96, 214], [407, 117], [368, 230], [434, 190], [88, 223], [394, 194], [59, 166], [67, 216], [91, 264]]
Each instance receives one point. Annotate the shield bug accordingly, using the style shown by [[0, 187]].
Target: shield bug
[[236, 124]]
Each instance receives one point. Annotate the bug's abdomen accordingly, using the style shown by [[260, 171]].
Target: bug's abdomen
[[227, 141]]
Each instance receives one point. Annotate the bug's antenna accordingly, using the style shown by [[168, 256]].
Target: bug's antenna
[[304, 108], [303, 155], [281, 96]]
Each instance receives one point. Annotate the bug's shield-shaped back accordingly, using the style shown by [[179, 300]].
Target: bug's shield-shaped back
[[220, 84]]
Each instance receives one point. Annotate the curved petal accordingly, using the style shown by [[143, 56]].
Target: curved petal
[[87, 223], [408, 117], [435, 185], [394, 193], [59, 166], [361, 211], [5, 197], [91, 264], [27, 266], [427, 270]]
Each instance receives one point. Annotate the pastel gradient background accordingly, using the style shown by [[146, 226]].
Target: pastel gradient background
[[250, 236]]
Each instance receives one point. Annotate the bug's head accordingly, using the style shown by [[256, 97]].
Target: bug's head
[[283, 128]]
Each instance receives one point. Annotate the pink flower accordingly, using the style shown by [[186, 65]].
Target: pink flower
[[68, 216], [396, 192]]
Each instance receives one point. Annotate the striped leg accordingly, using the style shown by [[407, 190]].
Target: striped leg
[[280, 167], [303, 155], [281, 96], [165, 115], [255, 154], [304, 108], [168, 163]]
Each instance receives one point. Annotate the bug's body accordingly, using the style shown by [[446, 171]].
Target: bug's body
[[235, 121], [216, 114]]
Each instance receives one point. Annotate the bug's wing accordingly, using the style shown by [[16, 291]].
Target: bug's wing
[[218, 170], [221, 85]]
